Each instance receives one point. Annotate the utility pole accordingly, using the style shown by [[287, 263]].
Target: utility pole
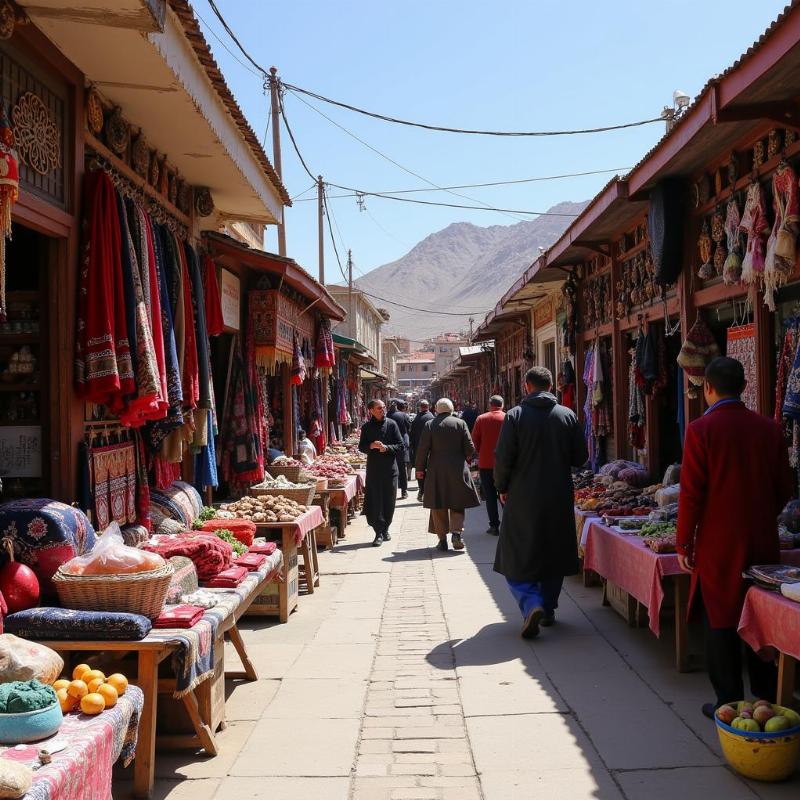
[[471, 322], [350, 294], [274, 88], [320, 212]]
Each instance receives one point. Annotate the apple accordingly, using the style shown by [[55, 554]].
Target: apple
[[745, 706], [737, 723], [792, 716], [726, 714], [759, 703], [750, 725], [777, 723], [762, 714]]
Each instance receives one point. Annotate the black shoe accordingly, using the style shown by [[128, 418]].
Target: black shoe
[[548, 620], [378, 540], [442, 545], [493, 530], [708, 710], [458, 542], [530, 628], [419, 496], [387, 537], [404, 496]]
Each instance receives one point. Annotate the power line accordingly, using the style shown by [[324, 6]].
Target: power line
[[618, 171], [225, 46], [445, 129], [423, 310], [230, 33], [333, 240], [388, 158], [291, 135], [305, 191]]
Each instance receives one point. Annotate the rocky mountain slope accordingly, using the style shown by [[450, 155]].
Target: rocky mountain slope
[[462, 268]]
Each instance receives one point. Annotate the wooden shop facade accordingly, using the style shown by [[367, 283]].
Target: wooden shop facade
[[692, 253]]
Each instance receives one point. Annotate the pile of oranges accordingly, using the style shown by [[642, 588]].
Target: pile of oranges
[[90, 690]]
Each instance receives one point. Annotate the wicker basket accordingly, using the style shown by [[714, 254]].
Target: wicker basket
[[139, 593], [303, 496], [290, 473]]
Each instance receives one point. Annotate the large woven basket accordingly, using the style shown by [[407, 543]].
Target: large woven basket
[[140, 593], [290, 473], [303, 496]]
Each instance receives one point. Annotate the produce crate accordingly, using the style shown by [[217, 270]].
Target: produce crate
[[627, 606], [327, 536], [290, 473]]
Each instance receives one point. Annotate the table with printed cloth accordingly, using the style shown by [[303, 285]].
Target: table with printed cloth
[[196, 670], [770, 620], [636, 577], [296, 538], [342, 498], [82, 770]]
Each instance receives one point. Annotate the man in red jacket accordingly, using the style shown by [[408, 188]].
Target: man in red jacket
[[485, 433], [735, 480]]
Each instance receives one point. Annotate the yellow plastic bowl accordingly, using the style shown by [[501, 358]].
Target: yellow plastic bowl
[[761, 756]]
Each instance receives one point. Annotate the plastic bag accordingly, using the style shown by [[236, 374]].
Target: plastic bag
[[21, 660], [111, 556]]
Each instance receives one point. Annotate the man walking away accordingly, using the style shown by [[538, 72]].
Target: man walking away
[[398, 414], [381, 441], [417, 426], [540, 441], [469, 415], [485, 434], [735, 479], [444, 447]]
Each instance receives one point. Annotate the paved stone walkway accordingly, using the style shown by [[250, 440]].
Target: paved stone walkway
[[404, 678]]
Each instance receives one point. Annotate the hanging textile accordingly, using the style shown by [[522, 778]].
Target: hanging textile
[[741, 345], [782, 242], [113, 477], [732, 268], [298, 363], [213, 299], [698, 349], [104, 371], [754, 224], [9, 194], [636, 402], [325, 357], [787, 388], [680, 416], [271, 345], [665, 230]]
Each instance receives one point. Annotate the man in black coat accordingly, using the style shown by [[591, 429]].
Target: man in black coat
[[399, 416], [381, 441], [540, 442], [424, 416]]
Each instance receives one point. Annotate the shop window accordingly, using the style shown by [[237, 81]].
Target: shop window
[[424, 367]]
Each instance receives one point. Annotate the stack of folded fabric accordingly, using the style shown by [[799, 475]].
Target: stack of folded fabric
[[263, 547], [243, 529], [182, 616], [251, 561], [209, 553], [228, 579]]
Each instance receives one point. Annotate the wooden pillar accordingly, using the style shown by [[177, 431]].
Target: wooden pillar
[[688, 309], [620, 374], [764, 320]]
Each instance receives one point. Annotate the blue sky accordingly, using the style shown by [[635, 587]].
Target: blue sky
[[535, 65]]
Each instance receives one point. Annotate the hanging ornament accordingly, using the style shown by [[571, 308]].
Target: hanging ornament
[[9, 192], [704, 245]]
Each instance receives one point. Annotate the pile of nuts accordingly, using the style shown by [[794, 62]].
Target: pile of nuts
[[262, 509]]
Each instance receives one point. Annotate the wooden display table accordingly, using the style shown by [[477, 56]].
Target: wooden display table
[[198, 700], [298, 537], [771, 620], [342, 500]]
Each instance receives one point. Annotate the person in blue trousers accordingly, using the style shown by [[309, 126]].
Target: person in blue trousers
[[540, 442]]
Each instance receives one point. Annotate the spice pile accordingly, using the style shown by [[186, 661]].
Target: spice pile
[[331, 467], [616, 498], [275, 508]]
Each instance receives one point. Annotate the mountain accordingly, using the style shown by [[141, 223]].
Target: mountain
[[461, 268]]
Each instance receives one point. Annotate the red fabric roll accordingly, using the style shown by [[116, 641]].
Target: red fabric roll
[[242, 529]]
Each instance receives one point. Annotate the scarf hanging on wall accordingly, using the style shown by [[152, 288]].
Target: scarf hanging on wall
[[741, 345], [9, 194], [213, 299], [782, 242]]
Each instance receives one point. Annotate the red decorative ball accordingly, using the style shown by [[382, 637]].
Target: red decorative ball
[[19, 586]]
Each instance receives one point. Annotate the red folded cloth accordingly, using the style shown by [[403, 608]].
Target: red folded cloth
[[252, 561], [242, 529], [229, 578], [266, 548], [210, 554], [182, 616]]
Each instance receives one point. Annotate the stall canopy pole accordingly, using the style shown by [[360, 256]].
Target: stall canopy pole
[[274, 88], [321, 229]]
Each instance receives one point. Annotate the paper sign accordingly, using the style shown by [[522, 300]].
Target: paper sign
[[21, 451], [230, 299]]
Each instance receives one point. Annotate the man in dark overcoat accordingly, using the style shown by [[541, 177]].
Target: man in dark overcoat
[[400, 417], [423, 415], [539, 443], [381, 441], [444, 447]]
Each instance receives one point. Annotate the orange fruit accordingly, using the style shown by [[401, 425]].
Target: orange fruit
[[109, 694], [61, 683], [77, 673], [119, 682], [95, 684], [66, 702], [92, 675], [92, 703], [77, 689]]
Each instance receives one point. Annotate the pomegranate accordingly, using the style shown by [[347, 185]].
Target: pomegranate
[[18, 583]]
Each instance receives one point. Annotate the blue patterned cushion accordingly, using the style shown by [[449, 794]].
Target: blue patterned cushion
[[64, 623]]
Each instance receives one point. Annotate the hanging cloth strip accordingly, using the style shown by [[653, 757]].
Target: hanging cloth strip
[[298, 363], [636, 404], [782, 242], [732, 268], [754, 224], [104, 371], [213, 300], [9, 194], [325, 357]]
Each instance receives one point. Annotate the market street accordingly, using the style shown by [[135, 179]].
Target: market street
[[403, 677]]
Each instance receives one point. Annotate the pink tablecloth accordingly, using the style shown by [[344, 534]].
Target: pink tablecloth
[[306, 522], [361, 476], [341, 497], [581, 526], [770, 620], [625, 560], [82, 770]]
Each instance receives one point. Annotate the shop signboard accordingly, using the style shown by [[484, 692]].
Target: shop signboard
[[21, 451], [230, 298]]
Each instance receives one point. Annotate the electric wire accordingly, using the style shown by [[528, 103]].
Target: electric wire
[[422, 310], [333, 238], [233, 55], [305, 191], [291, 136], [473, 132]]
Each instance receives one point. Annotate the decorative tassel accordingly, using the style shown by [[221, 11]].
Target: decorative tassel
[[9, 193]]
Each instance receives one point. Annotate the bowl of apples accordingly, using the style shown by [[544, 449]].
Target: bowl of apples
[[760, 740]]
